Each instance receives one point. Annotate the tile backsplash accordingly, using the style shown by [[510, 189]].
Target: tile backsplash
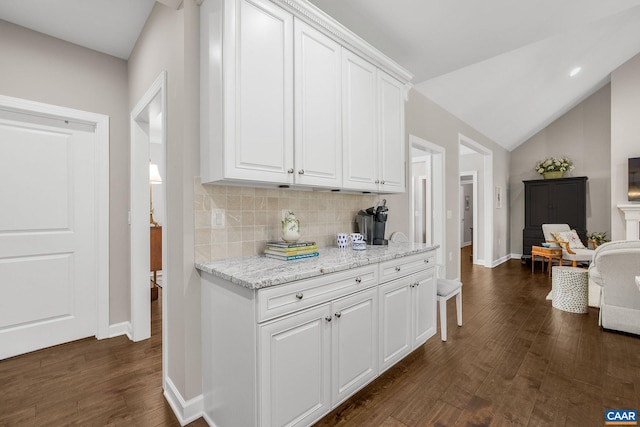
[[252, 217]]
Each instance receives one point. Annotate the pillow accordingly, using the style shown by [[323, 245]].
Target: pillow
[[569, 236]]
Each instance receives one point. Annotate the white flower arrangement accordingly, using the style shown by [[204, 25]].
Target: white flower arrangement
[[553, 164]]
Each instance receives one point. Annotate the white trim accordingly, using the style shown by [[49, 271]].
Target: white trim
[[139, 213], [474, 237], [438, 158], [515, 256], [487, 192], [122, 328], [185, 410], [500, 261], [101, 191]]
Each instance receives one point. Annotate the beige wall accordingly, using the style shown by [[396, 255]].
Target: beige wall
[[45, 69], [625, 136], [584, 135], [428, 121], [169, 42]]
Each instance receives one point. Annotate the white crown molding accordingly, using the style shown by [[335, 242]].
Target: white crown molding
[[310, 13]]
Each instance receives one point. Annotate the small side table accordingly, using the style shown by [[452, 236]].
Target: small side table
[[570, 289], [549, 253]]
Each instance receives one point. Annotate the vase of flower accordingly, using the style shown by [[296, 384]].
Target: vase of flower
[[552, 175], [290, 228], [554, 167]]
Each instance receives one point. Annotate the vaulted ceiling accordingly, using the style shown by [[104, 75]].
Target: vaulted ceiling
[[502, 66]]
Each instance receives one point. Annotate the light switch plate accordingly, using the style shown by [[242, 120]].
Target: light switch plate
[[217, 218]]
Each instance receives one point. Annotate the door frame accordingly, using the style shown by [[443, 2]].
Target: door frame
[[474, 236], [487, 197], [139, 214], [101, 189], [438, 192]]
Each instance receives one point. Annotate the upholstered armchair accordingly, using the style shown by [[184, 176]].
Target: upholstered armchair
[[616, 268], [561, 235]]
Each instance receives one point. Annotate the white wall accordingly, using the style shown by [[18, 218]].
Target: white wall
[[45, 69], [625, 136]]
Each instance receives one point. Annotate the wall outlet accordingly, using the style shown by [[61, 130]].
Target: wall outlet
[[449, 214], [217, 218], [450, 256]]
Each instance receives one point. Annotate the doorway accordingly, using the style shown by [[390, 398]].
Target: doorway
[[427, 202], [148, 195], [477, 158]]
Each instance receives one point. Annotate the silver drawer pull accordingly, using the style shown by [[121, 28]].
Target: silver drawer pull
[[299, 295], [338, 314], [301, 172], [327, 318], [358, 279], [290, 170], [397, 268]]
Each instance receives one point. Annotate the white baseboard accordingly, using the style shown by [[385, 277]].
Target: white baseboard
[[465, 244], [516, 256], [123, 328], [501, 260], [185, 411]]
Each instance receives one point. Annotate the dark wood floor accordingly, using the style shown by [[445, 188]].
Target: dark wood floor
[[515, 361]]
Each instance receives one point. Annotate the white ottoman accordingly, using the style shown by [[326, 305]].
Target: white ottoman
[[570, 288]]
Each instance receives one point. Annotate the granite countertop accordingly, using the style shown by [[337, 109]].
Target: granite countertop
[[255, 272]]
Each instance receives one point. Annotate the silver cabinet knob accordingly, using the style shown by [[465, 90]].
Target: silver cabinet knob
[[382, 182], [397, 268], [358, 279], [426, 261], [377, 181], [338, 314], [290, 170], [301, 172], [299, 295], [327, 318], [417, 283]]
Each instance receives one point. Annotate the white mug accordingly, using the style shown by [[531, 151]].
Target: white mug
[[356, 237], [342, 239]]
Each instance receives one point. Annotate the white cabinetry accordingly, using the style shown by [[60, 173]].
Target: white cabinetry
[[318, 113], [248, 136], [273, 109], [373, 127]]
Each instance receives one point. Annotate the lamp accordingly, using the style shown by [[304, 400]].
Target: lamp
[[154, 178]]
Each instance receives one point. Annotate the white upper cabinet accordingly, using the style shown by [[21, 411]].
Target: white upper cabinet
[[255, 139], [318, 133], [284, 102], [360, 149], [391, 142]]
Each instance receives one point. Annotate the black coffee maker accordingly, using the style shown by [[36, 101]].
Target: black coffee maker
[[372, 222]]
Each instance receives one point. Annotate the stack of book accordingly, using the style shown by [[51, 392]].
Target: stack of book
[[290, 251]]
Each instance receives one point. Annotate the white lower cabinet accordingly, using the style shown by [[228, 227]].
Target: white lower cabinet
[[314, 359], [286, 355], [407, 316]]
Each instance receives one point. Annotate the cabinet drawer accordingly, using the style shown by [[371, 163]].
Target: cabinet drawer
[[400, 267], [279, 300]]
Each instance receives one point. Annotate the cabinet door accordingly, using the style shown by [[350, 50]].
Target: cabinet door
[[259, 92], [392, 139], [295, 363], [354, 343], [318, 132], [359, 122], [424, 307], [395, 321]]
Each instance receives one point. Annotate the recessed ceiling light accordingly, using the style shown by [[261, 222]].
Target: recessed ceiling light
[[575, 71]]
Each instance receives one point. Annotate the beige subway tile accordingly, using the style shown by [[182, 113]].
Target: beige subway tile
[[261, 192], [248, 203], [218, 201], [234, 234], [234, 218], [260, 203], [198, 202], [248, 217], [219, 235], [272, 203], [215, 189], [202, 237], [219, 251], [202, 219], [234, 202], [234, 190], [234, 250], [248, 249], [259, 246], [202, 253], [247, 191], [261, 232], [248, 233]]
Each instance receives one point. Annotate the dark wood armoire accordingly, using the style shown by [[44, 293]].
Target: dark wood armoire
[[553, 201]]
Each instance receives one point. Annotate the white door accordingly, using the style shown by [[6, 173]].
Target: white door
[[295, 368], [395, 322], [318, 111], [48, 254], [359, 121], [355, 343], [259, 144], [392, 139]]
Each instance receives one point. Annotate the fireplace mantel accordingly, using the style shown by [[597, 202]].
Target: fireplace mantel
[[632, 217]]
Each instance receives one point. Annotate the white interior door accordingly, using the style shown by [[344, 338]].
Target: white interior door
[[48, 239]]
